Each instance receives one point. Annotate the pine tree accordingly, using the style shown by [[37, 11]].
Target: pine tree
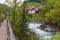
[[23, 25]]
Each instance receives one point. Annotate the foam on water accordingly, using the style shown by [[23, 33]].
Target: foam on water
[[45, 34]]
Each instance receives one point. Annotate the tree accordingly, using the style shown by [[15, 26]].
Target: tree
[[53, 15], [19, 22], [15, 6], [23, 35], [2, 7]]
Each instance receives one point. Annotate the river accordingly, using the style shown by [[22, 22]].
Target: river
[[35, 28]]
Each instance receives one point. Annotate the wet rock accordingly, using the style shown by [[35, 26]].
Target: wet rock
[[48, 29], [42, 26]]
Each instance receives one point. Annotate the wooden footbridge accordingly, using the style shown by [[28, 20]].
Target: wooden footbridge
[[6, 32]]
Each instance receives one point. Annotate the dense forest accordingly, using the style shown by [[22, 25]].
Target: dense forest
[[48, 13]]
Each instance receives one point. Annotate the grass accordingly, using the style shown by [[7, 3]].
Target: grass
[[32, 4], [36, 16]]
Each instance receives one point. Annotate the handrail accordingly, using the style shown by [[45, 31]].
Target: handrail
[[10, 31]]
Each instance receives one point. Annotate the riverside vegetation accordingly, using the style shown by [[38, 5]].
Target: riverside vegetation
[[49, 13]]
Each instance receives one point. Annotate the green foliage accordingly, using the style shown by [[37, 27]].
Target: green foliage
[[2, 7], [32, 4], [39, 1], [19, 18], [55, 37], [36, 16], [53, 16]]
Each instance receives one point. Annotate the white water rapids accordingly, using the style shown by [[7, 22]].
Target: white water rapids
[[35, 28]]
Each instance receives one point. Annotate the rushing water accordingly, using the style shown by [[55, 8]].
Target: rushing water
[[35, 28]]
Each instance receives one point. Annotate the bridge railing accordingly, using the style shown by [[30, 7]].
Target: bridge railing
[[10, 31]]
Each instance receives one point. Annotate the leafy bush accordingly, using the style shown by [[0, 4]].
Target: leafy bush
[[53, 16], [56, 37]]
